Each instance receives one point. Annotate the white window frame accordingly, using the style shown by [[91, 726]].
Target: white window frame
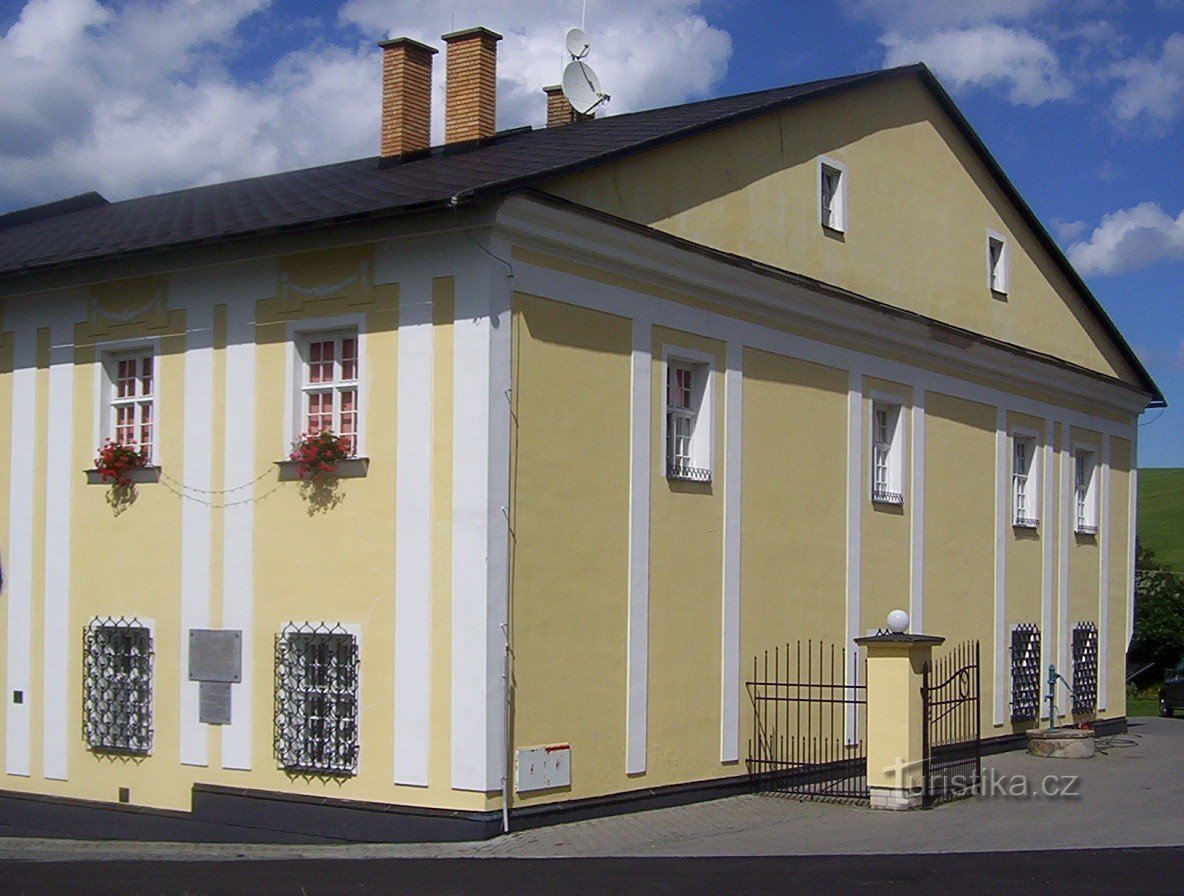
[[300, 335], [1085, 496], [888, 454], [1031, 482], [998, 269], [702, 367], [107, 356], [836, 218]]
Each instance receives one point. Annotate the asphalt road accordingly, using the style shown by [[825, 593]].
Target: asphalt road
[[1148, 872]]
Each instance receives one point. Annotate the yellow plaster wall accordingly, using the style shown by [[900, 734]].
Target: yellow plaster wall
[[570, 459], [959, 520], [793, 552], [686, 588], [918, 208]]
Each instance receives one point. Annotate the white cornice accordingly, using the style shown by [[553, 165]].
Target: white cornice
[[871, 327]]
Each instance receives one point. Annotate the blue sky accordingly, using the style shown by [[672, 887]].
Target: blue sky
[[1081, 103]]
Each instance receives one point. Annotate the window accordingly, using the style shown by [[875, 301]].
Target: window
[[1025, 672], [131, 411], [997, 262], [832, 195], [688, 419], [329, 386], [316, 700], [1084, 491], [1025, 485], [886, 452], [1085, 667], [117, 663]]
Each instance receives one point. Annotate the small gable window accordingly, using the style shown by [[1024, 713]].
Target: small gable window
[[997, 263], [832, 194]]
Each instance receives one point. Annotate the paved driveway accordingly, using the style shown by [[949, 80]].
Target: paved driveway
[[1132, 794]]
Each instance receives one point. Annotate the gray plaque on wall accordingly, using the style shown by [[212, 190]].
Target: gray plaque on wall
[[215, 655], [213, 705]]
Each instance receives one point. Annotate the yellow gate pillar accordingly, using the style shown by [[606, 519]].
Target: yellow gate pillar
[[895, 715]]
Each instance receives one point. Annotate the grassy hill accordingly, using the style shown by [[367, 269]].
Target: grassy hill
[[1161, 514]]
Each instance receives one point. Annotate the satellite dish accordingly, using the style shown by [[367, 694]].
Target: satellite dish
[[577, 43], [582, 87]]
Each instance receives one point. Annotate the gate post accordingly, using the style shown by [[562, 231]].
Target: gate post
[[895, 717]]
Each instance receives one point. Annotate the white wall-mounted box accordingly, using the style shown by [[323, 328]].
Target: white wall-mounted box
[[544, 768]]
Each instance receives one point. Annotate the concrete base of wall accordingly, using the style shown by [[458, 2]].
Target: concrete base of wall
[[232, 815], [894, 798]]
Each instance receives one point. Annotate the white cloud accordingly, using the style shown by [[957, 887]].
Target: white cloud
[[987, 55], [139, 96], [925, 16], [1154, 87], [1067, 231], [1130, 239]]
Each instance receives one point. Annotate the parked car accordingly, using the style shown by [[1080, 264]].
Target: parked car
[[1171, 695]]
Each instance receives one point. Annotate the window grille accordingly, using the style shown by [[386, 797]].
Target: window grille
[[681, 416], [117, 686], [1085, 667], [1025, 673], [330, 387], [316, 700], [1024, 507], [133, 402]]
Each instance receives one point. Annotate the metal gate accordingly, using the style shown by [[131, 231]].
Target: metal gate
[[808, 723], [951, 733]]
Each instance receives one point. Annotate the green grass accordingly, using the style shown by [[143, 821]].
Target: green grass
[[1142, 706], [1161, 514]]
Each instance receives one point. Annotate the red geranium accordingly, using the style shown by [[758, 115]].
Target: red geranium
[[116, 461], [318, 453]]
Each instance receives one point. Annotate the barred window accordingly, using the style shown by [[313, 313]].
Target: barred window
[[117, 664], [316, 700], [1025, 672], [1085, 667]]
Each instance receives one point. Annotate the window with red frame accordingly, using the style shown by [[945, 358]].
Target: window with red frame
[[330, 386], [133, 402]]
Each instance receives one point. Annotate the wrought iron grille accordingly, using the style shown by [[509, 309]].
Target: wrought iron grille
[[952, 731], [880, 496], [807, 724], [316, 700], [676, 470], [117, 686], [1085, 667], [1025, 672]]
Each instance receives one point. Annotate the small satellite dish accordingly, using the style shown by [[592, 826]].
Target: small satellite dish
[[577, 43], [582, 87]]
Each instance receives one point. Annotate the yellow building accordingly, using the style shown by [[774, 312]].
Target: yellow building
[[629, 401]]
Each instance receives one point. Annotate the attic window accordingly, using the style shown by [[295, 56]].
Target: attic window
[[832, 195], [996, 263]]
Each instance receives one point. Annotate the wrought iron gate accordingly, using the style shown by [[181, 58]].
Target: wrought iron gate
[[808, 723], [951, 733]]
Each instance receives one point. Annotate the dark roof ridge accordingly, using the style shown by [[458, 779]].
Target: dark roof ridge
[[70, 204]]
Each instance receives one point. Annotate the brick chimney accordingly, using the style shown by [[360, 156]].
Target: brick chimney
[[406, 96], [559, 110], [470, 105]]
